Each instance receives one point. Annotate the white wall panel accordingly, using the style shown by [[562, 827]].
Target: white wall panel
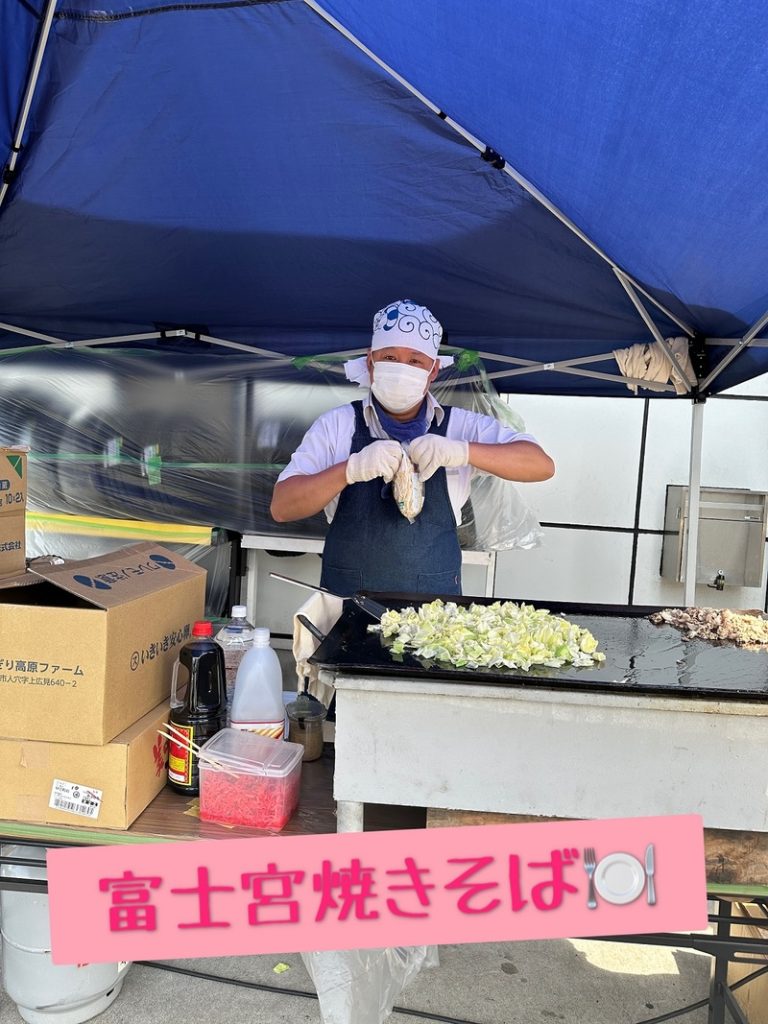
[[735, 445], [734, 451], [595, 443], [666, 457], [572, 565]]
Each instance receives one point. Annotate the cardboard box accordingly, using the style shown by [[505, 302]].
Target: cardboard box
[[89, 648], [91, 787], [13, 503]]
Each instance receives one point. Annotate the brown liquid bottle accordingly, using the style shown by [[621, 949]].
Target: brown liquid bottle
[[198, 705]]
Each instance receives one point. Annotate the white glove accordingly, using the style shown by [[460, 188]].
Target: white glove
[[381, 458], [431, 451]]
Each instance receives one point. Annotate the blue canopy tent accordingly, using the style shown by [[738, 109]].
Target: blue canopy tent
[[555, 180]]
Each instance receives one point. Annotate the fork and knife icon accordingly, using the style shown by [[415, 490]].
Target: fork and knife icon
[[627, 865]]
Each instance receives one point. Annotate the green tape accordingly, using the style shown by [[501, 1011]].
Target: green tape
[[127, 460], [466, 359], [733, 889], [79, 836]]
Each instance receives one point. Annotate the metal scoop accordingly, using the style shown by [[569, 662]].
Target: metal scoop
[[373, 608]]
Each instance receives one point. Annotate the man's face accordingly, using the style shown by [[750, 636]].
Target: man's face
[[409, 356]]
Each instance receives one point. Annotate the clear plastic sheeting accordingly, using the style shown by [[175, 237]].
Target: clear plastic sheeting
[[360, 986], [497, 519], [200, 436]]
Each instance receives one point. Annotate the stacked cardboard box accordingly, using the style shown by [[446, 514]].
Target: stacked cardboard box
[[13, 503], [86, 659]]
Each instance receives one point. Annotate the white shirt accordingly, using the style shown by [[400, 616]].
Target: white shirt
[[329, 440]]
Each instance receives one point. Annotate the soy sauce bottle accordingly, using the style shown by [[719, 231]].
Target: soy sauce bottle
[[198, 705]]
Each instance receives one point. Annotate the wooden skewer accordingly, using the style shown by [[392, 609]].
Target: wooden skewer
[[235, 760], [222, 759], [200, 754], [194, 749], [179, 737]]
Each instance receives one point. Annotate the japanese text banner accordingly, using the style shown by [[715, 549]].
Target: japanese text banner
[[366, 890]]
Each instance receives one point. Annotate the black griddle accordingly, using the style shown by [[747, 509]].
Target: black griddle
[[640, 658]]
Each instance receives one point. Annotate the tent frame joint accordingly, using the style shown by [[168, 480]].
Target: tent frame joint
[[493, 158], [697, 350]]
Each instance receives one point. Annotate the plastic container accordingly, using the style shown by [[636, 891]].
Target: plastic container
[[235, 639], [306, 715], [198, 705], [260, 787], [43, 991], [258, 702]]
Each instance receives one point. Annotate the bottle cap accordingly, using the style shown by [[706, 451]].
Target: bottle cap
[[202, 628], [260, 636], [239, 611]]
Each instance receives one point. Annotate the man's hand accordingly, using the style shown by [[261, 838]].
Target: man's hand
[[381, 458], [431, 451]]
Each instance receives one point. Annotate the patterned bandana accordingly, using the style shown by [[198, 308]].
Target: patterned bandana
[[401, 324], [407, 325]]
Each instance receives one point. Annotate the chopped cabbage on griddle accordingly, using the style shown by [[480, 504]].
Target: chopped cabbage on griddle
[[499, 635]]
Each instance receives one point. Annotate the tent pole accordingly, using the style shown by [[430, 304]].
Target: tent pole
[[13, 329], [522, 181], [42, 40], [730, 342], [745, 342], [655, 332], [694, 500]]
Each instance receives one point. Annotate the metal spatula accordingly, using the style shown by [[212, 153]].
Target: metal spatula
[[373, 608]]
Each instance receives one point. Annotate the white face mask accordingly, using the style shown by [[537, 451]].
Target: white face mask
[[397, 386]]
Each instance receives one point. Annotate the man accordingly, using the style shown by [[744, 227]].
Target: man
[[350, 454]]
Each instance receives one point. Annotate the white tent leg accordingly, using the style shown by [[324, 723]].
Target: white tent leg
[[694, 488]]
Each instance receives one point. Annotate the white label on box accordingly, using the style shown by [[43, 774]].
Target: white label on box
[[68, 796]]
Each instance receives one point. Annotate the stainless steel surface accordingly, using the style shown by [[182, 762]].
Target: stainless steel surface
[[650, 871], [732, 523], [590, 863]]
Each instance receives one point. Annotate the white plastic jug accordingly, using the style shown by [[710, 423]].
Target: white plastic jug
[[258, 701], [235, 639], [44, 992]]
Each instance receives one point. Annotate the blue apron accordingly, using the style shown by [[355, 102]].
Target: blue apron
[[371, 545]]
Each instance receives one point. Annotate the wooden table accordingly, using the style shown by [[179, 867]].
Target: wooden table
[[168, 818]]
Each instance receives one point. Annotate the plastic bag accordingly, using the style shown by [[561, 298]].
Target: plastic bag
[[496, 517], [407, 488], [360, 986]]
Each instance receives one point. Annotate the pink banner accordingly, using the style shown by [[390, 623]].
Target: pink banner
[[364, 890]]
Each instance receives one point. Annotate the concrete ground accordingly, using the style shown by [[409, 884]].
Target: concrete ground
[[575, 981]]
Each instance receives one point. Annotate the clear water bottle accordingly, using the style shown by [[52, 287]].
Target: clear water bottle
[[235, 639], [258, 701]]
